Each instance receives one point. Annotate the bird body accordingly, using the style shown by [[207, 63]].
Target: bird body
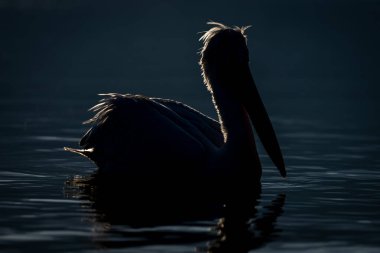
[[143, 136], [132, 131]]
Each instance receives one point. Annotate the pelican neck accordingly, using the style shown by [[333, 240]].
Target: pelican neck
[[233, 117]]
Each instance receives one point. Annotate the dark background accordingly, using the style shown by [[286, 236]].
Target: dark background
[[311, 59], [316, 66]]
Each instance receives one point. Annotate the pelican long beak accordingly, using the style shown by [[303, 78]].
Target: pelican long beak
[[261, 122]]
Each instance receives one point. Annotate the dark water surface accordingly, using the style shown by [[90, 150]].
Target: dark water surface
[[329, 202]]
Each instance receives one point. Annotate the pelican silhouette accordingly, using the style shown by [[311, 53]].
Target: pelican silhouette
[[144, 136]]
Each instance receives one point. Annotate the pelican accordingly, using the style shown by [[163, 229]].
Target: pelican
[[143, 136]]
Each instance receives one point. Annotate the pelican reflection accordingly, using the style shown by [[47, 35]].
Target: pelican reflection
[[123, 220]]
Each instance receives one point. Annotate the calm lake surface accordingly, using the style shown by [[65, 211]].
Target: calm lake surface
[[330, 201]]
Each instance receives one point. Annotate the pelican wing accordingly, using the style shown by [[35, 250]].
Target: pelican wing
[[132, 127], [113, 102], [208, 126]]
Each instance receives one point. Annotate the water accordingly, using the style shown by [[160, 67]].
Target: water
[[328, 203]]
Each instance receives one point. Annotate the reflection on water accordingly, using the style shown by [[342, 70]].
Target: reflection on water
[[124, 220], [242, 229]]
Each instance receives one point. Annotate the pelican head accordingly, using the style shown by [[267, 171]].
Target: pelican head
[[224, 55], [225, 63]]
